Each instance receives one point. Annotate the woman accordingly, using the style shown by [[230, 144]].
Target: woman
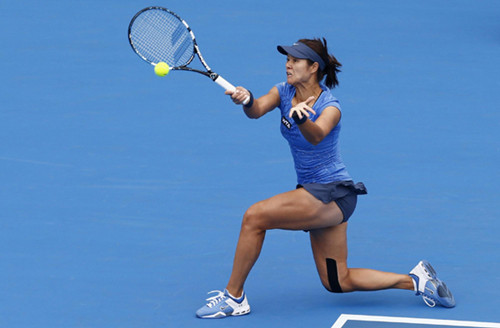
[[325, 197]]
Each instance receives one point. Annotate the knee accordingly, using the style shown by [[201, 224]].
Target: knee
[[337, 278], [343, 286], [254, 218]]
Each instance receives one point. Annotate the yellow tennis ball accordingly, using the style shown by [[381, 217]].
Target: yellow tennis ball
[[162, 69]]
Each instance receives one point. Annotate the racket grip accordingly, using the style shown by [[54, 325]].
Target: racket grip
[[229, 87]]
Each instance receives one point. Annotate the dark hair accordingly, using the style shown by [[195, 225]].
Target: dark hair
[[332, 64]]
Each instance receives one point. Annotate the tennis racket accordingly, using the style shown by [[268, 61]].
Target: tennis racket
[[157, 34]]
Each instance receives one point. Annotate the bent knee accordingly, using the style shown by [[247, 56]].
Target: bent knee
[[343, 286], [254, 218], [337, 278]]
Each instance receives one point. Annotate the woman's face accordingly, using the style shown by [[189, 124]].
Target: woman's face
[[298, 70]]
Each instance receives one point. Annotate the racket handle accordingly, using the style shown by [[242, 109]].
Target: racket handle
[[229, 87]]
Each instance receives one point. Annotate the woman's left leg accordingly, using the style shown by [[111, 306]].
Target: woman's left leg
[[293, 210]]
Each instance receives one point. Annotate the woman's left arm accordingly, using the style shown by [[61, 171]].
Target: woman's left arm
[[315, 132]]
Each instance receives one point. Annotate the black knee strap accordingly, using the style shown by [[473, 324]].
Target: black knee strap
[[333, 278]]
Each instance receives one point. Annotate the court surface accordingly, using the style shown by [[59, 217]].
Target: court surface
[[366, 321], [122, 193]]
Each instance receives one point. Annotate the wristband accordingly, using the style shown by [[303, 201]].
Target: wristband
[[298, 120], [250, 102]]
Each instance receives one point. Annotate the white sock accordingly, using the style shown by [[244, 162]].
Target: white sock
[[415, 287], [234, 298]]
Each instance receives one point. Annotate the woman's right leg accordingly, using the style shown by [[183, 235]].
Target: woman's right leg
[[331, 243]]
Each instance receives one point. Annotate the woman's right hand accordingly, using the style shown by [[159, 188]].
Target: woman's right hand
[[239, 95]]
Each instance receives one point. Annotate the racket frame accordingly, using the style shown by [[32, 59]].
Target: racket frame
[[196, 51]]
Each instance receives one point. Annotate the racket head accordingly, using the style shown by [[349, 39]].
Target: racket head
[[157, 34]]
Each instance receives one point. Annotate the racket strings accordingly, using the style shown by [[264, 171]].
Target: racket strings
[[159, 36]]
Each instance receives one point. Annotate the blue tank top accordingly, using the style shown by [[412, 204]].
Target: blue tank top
[[314, 164]]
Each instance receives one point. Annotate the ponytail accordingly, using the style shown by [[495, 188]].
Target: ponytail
[[332, 66]]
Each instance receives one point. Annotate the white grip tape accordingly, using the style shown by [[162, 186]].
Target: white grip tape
[[223, 83], [229, 87]]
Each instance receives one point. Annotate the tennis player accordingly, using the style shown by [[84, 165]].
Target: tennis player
[[326, 195]]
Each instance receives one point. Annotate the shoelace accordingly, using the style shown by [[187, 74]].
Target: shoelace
[[429, 301], [214, 300]]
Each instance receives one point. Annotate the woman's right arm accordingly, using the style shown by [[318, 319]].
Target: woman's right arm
[[260, 106]]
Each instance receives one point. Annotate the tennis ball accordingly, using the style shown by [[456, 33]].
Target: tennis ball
[[162, 69]]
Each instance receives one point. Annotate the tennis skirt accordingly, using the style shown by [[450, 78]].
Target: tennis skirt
[[344, 193]]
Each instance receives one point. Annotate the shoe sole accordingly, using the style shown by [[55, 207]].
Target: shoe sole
[[447, 302], [220, 315]]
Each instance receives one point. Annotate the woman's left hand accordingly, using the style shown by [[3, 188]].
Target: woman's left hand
[[302, 109]]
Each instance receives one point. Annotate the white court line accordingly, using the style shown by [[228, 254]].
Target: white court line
[[344, 317]]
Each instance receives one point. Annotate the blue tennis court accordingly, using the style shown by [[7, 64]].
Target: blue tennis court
[[364, 321], [122, 193]]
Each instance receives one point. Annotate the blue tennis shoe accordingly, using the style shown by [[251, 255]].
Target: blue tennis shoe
[[223, 305], [433, 290]]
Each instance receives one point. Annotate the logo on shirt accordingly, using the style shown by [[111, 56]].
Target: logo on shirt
[[286, 123]]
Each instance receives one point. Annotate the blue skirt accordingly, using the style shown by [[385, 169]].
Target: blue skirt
[[344, 193]]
